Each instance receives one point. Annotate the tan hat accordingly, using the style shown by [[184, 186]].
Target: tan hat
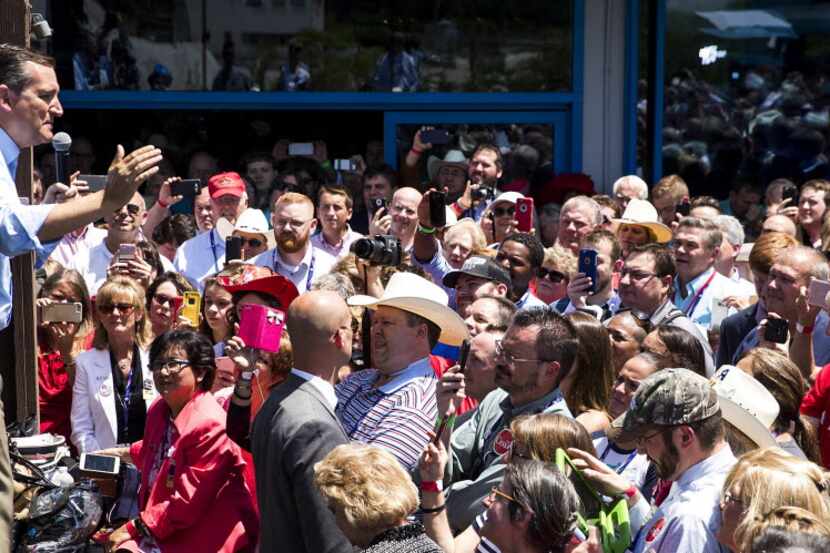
[[643, 214], [746, 404], [409, 292]]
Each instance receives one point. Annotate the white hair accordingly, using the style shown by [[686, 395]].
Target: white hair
[[633, 180], [731, 228], [577, 202]]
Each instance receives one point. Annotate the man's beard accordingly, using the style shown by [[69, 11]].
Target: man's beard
[[289, 244], [667, 464]]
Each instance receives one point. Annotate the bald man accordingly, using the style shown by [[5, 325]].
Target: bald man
[[404, 212], [297, 427], [779, 223], [124, 228]]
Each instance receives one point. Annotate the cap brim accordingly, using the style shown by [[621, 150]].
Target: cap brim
[[744, 421], [619, 433], [453, 329]]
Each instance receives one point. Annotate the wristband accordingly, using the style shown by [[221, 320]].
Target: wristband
[[433, 510], [132, 530], [416, 151], [805, 330], [425, 230], [456, 207], [162, 204], [436, 486], [630, 492]]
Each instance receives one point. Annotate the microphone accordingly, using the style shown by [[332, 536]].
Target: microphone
[[62, 142]]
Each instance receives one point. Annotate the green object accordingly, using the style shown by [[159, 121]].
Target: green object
[[609, 516]]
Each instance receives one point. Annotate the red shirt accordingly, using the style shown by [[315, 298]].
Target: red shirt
[[816, 404], [439, 365], [54, 395]]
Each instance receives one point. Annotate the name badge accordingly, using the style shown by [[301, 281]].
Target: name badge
[[147, 392]]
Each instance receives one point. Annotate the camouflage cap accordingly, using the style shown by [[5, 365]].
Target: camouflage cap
[[667, 398]]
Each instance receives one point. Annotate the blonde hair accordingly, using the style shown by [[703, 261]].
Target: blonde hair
[[123, 286], [562, 259], [470, 227], [788, 519], [672, 186], [373, 490], [770, 478]]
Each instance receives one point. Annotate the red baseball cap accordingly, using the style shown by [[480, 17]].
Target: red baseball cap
[[224, 184]]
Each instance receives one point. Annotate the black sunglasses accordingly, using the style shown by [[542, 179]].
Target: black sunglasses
[[552, 275], [253, 242], [133, 209], [502, 211]]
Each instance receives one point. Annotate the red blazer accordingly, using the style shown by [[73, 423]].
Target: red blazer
[[199, 500]]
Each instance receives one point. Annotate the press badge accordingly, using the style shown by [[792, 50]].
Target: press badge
[[147, 390]]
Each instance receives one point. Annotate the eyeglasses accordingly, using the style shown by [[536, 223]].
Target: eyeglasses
[[496, 493], [109, 309], [507, 356], [636, 275], [502, 211], [295, 225], [552, 275], [170, 366], [643, 439]]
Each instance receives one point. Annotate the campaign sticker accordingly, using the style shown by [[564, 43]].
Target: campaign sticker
[[503, 442], [105, 389]]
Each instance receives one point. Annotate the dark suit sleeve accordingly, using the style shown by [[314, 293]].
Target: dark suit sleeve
[[239, 425], [313, 441]]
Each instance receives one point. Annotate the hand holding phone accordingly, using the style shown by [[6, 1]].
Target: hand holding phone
[[435, 136], [192, 308], [777, 331], [62, 312], [588, 266], [524, 214], [233, 248], [186, 187], [817, 292], [260, 327], [437, 208]]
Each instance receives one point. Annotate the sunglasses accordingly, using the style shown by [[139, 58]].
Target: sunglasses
[[133, 209], [253, 242], [161, 299], [502, 211], [123, 308], [552, 275]]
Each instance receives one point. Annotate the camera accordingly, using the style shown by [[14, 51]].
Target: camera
[[379, 250], [483, 193]]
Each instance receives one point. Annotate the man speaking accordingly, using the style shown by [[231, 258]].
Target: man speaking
[[29, 106]]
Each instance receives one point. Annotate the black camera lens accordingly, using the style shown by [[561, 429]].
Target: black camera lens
[[379, 250]]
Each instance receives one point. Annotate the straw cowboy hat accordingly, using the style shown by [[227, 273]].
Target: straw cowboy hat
[[455, 158], [409, 292], [746, 404], [642, 213]]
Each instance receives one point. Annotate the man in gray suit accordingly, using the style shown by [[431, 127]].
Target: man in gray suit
[[297, 427]]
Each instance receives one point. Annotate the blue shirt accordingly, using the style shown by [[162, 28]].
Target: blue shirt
[[19, 225]]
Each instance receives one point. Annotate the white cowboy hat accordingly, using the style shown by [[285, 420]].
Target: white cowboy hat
[[253, 221], [409, 292], [505, 197], [746, 404], [642, 213], [452, 157]]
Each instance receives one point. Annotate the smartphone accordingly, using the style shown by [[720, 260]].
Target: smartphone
[[435, 136], [438, 209], [684, 207], [777, 331], [375, 204], [301, 149], [524, 214], [94, 182], [463, 354], [344, 165], [233, 248], [186, 187], [62, 312], [719, 312], [817, 292], [790, 192], [588, 266], [100, 464], [260, 327], [126, 252], [176, 306], [192, 303]]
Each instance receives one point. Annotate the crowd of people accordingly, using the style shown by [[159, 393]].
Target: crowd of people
[[375, 369]]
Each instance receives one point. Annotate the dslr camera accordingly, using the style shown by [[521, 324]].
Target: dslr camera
[[486, 193], [381, 249]]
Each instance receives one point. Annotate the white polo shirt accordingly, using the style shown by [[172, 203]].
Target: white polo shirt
[[316, 262], [200, 257], [94, 262]]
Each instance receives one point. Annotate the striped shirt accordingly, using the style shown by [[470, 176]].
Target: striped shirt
[[395, 416]]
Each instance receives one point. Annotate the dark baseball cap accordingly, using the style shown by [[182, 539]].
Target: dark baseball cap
[[479, 266], [669, 397]]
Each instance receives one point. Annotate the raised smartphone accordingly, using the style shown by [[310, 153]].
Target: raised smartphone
[[587, 265], [524, 214]]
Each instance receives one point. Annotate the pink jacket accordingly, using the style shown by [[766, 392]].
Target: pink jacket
[[199, 500]]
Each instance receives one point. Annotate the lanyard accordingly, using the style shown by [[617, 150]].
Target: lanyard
[[213, 249], [622, 467], [310, 272], [699, 294]]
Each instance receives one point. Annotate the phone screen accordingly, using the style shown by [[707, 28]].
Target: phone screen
[[100, 463]]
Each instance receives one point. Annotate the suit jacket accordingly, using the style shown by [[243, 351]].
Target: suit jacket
[[294, 429], [94, 420], [733, 330]]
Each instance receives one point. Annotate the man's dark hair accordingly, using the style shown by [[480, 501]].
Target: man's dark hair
[[13, 60], [705, 201], [709, 431], [196, 346], [385, 171], [663, 258], [600, 235], [490, 148], [505, 309], [433, 330], [556, 340], [175, 229], [534, 247], [683, 349], [336, 190], [258, 156]]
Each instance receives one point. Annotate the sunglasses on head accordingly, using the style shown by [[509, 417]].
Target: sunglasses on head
[[502, 211], [552, 275]]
